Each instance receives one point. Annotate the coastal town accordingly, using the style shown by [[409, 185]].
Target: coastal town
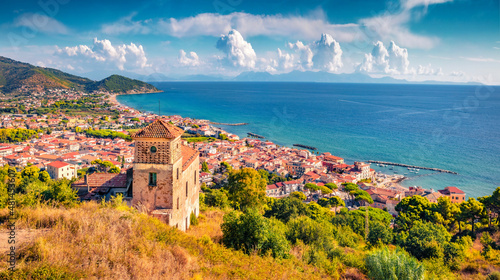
[[66, 149]]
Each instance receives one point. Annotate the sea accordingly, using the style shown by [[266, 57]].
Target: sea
[[451, 127]]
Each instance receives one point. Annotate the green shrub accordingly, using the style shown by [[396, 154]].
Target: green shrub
[[193, 219], [384, 264]]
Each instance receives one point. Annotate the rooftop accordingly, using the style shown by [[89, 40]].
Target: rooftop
[[159, 129]]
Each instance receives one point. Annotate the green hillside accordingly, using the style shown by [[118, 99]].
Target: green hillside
[[15, 75]]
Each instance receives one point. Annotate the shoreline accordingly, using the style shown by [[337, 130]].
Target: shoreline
[[394, 182]]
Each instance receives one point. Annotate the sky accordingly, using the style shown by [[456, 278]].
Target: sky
[[417, 40]]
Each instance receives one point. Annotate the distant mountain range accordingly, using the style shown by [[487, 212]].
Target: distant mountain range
[[294, 76], [17, 76]]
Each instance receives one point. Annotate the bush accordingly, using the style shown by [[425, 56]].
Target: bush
[[426, 240], [379, 234], [384, 264], [251, 232], [193, 219]]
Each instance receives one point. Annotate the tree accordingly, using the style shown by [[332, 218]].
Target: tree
[[426, 240], [204, 167], [336, 202], [448, 210], [472, 210], [44, 176], [413, 209], [361, 195], [298, 195], [331, 186], [247, 188], [379, 234], [311, 187], [251, 232], [114, 169]]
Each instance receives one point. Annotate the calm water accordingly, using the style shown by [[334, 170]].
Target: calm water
[[449, 127]]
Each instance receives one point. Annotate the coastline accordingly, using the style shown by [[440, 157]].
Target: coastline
[[394, 182]]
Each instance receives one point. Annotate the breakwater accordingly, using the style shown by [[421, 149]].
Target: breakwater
[[230, 124], [412, 166], [255, 135], [305, 146]]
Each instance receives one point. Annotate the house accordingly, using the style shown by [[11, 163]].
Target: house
[[455, 194], [59, 169]]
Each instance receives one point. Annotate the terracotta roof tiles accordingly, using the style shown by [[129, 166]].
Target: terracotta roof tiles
[[159, 129]]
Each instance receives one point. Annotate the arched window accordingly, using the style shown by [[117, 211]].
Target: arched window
[[177, 173], [177, 203], [194, 178], [187, 187]]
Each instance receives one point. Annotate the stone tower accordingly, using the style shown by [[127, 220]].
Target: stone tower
[[165, 174]]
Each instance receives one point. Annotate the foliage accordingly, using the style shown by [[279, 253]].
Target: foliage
[[298, 195], [247, 189], [426, 240], [384, 264], [204, 167], [216, 198], [251, 232], [379, 234], [106, 133], [15, 135]]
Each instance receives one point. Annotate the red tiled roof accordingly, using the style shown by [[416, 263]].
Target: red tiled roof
[[454, 190], [159, 129], [58, 164], [188, 156], [103, 180]]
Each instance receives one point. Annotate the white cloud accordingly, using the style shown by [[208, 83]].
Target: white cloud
[[429, 70], [305, 54], [239, 53], [393, 25], [188, 60], [410, 4], [393, 60], [121, 56], [327, 54], [285, 60], [40, 23], [481, 59], [211, 24]]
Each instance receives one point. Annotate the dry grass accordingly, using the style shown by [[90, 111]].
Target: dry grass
[[209, 225], [101, 242]]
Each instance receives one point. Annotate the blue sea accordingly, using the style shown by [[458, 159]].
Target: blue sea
[[452, 127]]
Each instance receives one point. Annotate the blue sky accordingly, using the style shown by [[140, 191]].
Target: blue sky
[[448, 40]]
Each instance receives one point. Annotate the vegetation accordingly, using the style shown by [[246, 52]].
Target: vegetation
[[105, 133], [243, 234], [15, 74], [14, 135]]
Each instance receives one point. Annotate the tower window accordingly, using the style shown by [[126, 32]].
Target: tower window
[[177, 203], [187, 189], [152, 149], [177, 173], [194, 177], [152, 179]]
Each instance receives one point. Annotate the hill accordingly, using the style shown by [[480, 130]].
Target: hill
[[112, 241], [17, 76]]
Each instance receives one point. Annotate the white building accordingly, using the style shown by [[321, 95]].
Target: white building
[[59, 169]]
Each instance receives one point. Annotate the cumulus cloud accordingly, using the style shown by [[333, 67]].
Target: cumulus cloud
[[41, 23], [239, 53], [188, 60], [211, 24], [327, 54], [392, 60], [103, 51], [428, 70], [305, 54]]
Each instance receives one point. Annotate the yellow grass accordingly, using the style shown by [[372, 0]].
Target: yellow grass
[[93, 241]]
